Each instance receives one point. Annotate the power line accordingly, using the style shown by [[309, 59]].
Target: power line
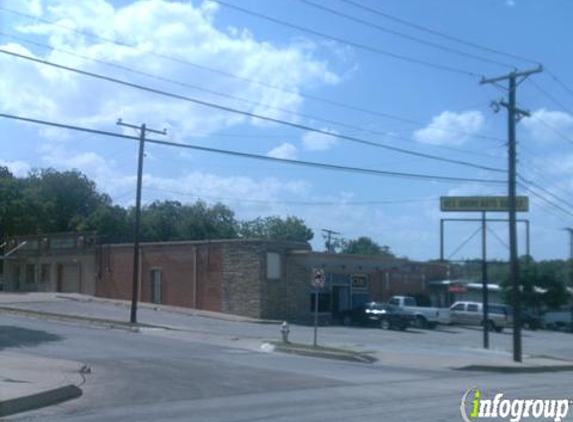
[[437, 33], [547, 201], [364, 47], [531, 166], [304, 203], [547, 191], [237, 77], [250, 114], [402, 35], [225, 95], [560, 82], [313, 164], [548, 95]]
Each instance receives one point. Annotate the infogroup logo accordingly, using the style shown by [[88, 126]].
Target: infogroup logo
[[474, 406]]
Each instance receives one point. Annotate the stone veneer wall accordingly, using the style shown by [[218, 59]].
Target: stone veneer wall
[[243, 264]]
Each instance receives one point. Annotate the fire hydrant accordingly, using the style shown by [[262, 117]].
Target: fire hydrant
[[285, 330]]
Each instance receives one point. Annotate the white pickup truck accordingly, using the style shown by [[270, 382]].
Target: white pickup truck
[[424, 317]]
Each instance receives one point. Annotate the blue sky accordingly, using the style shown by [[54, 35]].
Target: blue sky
[[192, 48]]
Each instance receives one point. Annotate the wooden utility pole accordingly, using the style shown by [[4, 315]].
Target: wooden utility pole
[[143, 130], [513, 115]]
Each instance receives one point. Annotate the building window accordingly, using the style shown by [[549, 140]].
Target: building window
[[30, 273], [273, 266], [324, 302], [156, 286], [45, 273]]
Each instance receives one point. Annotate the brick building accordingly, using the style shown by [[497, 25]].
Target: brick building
[[251, 277], [51, 263]]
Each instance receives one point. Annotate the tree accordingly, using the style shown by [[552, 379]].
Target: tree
[[276, 228], [201, 221], [547, 275], [61, 200], [109, 221], [366, 246]]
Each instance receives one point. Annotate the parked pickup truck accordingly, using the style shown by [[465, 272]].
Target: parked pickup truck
[[424, 317]]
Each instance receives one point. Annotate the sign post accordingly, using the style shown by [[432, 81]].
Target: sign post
[[317, 283], [482, 204]]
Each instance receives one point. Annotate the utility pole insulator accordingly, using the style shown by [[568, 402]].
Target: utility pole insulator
[[143, 130], [513, 116]]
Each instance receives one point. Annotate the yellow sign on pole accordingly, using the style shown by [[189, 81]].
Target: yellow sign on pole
[[482, 203]]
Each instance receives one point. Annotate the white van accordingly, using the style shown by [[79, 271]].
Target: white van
[[471, 313]]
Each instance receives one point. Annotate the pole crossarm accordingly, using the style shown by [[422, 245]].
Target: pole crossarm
[[143, 130], [514, 74], [514, 114]]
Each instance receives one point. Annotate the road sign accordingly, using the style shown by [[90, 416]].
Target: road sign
[[318, 277], [482, 203]]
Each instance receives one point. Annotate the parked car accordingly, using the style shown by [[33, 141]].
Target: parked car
[[471, 313], [425, 317], [377, 314]]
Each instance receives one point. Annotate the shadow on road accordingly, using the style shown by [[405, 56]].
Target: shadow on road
[[11, 336]]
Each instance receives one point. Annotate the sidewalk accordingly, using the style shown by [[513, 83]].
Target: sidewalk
[[28, 382], [8, 298]]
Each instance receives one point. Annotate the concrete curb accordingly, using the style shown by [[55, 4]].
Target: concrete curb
[[106, 323], [516, 369], [36, 401], [348, 356]]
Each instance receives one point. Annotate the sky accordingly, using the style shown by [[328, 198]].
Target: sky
[[383, 73]]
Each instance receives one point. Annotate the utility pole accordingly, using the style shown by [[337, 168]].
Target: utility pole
[[484, 286], [513, 114], [329, 234], [143, 130], [570, 268]]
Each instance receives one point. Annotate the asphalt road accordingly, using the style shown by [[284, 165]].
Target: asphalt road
[[146, 377]]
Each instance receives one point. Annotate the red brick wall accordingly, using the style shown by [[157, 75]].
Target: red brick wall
[[176, 263]]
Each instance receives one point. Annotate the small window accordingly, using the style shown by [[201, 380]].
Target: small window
[[394, 301], [30, 273], [273, 266], [472, 307], [45, 273], [458, 307]]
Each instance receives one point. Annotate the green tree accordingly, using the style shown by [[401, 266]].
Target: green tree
[[366, 246], [62, 200], [547, 275], [276, 228], [109, 221]]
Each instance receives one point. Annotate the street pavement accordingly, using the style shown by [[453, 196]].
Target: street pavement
[[216, 370], [149, 378]]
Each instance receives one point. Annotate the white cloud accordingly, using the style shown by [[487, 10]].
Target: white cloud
[[314, 141], [451, 128], [166, 28], [18, 168], [547, 126], [286, 151]]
